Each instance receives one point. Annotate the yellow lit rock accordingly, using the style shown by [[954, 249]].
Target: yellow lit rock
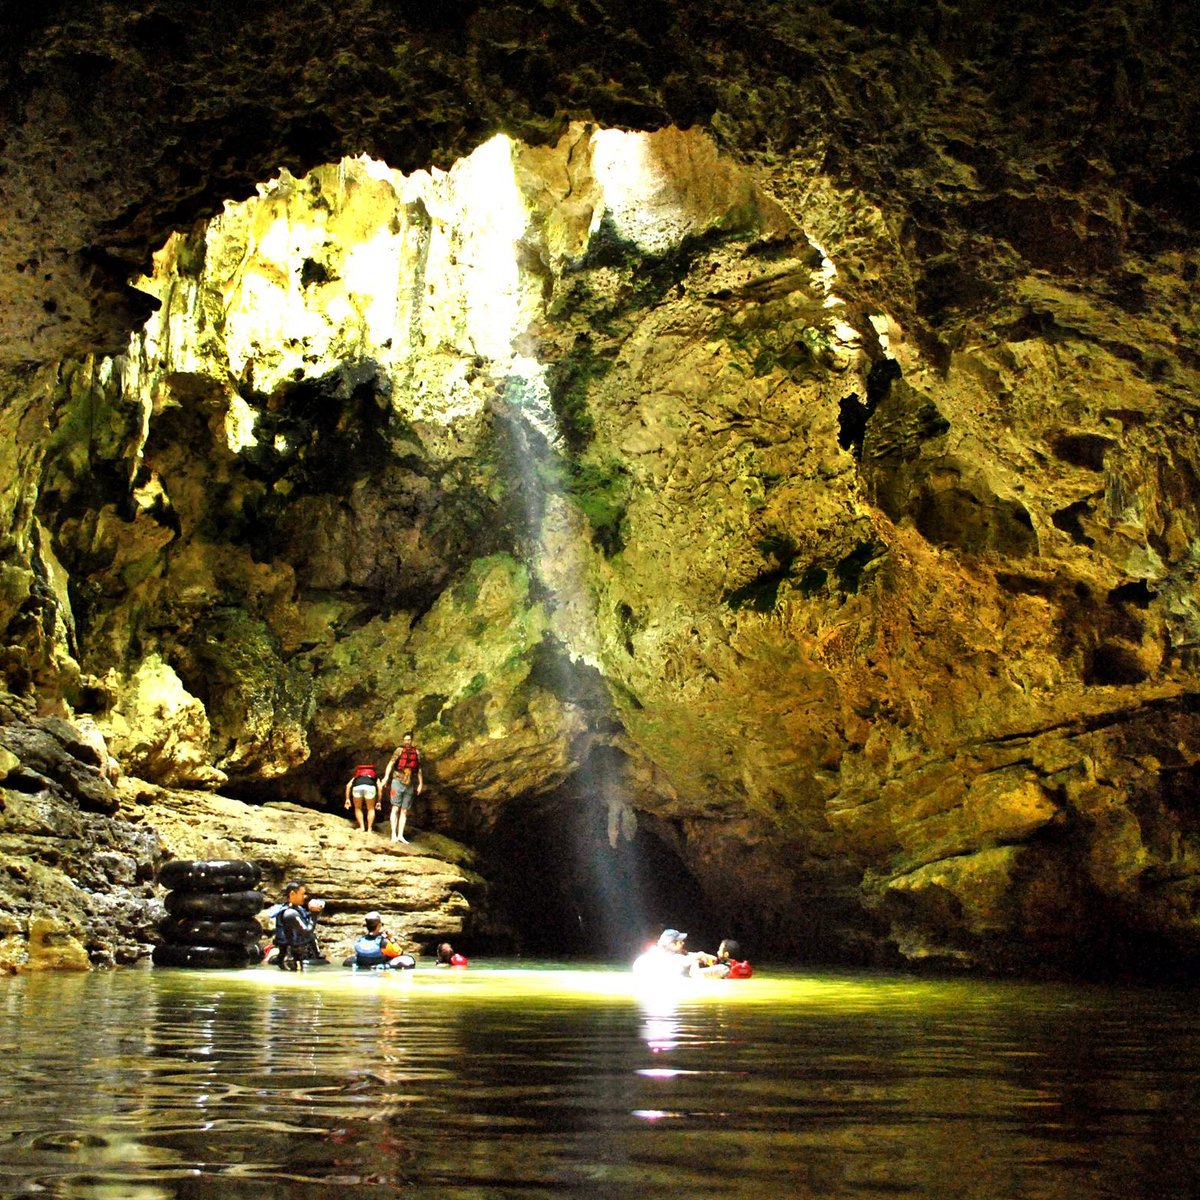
[[51, 947], [160, 731], [603, 455]]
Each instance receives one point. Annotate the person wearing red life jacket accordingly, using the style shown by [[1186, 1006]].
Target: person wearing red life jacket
[[447, 956], [725, 964], [362, 790], [403, 781]]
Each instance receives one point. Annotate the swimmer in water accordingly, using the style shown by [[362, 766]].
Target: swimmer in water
[[725, 964], [446, 956], [376, 949]]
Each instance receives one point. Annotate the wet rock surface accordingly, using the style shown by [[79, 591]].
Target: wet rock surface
[[816, 487], [76, 879], [79, 886]]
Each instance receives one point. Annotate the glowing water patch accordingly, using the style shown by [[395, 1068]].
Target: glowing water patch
[[661, 1034], [517, 984]]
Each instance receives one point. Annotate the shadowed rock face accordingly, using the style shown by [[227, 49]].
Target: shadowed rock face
[[813, 492]]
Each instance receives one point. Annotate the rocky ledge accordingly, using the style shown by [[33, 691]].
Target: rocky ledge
[[80, 847]]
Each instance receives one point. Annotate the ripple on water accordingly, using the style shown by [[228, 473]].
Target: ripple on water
[[506, 1082]]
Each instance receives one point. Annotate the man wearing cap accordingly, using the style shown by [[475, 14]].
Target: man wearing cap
[[666, 957], [671, 941]]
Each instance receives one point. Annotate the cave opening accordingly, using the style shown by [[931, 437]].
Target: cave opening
[[383, 418], [562, 886]]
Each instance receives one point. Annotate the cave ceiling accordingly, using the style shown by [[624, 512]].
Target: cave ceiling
[[985, 141], [861, 564]]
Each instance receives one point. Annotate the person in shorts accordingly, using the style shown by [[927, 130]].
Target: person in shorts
[[362, 790], [403, 782]]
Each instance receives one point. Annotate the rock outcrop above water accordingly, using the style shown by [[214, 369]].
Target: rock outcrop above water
[[814, 490], [81, 846]]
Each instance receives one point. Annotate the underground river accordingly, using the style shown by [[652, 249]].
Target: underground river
[[534, 1079]]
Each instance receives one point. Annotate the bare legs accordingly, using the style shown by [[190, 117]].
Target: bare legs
[[364, 814], [399, 816]]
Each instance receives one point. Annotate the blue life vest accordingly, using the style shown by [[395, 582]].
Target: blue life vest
[[368, 951], [303, 930]]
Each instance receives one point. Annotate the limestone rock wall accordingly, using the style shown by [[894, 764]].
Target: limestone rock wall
[[825, 482], [76, 879], [81, 844]]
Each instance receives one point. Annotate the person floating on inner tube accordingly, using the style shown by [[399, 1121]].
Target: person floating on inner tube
[[377, 950], [448, 957], [725, 964], [296, 928]]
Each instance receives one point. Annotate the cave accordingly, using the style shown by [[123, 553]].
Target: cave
[[751, 447], [570, 881], [758, 398]]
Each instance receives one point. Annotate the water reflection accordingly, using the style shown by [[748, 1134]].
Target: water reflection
[[510, 1081]]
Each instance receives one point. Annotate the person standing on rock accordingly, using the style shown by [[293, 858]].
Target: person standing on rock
[[403, 781], [362, 789]]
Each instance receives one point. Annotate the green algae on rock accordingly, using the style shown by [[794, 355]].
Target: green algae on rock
[[840, 482]]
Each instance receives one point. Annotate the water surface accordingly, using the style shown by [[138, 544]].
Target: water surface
[[506, 1081]]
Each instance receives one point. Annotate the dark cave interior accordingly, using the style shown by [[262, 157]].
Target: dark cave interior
[[561, 889]]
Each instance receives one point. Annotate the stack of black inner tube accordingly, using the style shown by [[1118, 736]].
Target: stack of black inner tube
[[211, 911]]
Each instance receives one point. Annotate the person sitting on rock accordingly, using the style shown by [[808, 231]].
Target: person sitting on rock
[[362, 789], [376, 949], [403, 780], [296, 928]]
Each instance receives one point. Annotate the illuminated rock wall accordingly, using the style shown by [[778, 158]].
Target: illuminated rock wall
[[828, 505]]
